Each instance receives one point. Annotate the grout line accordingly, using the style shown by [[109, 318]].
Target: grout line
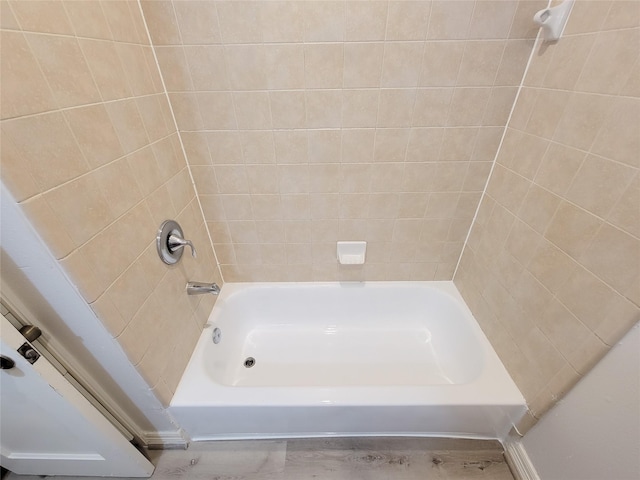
[[307, 42], [115, 220], [554, 295], [92, 170], [74, 107], [578, 149], [225, 58], [73, 35], [578, 265], [495, 158], [381, 88], [129, 267], [184, 152], [565, 199]]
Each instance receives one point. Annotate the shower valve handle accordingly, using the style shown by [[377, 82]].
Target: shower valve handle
[[175, 243]]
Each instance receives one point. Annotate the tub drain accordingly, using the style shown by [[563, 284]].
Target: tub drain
[[217, 335], [249, 362]]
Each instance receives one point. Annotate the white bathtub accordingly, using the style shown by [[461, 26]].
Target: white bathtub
[[375, 358]]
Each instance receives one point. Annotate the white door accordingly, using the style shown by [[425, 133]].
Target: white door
[[48, 428]]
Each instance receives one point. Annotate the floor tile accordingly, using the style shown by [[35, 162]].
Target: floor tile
[[362, 458]]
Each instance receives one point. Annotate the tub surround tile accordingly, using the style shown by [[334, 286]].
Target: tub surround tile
[[617, 140], [567, 62], [122, 193], [589, 20], [499, 106], [46, 146], [136, 337], [285, 66], [569, 267], [88, 20], [198, 26], [450, 21], [200, 61], [458, 144], [513, 63], [8, 20], [551, 266], [588, 354], [407, 20], [95, 134], [399, 68], [363, 64], [46, 17], [432, 107], [582, 120], [323, 65], [65, 68], [25, 89], [176, 72], [109, 314], [156, 116], [91, 153], [144, 165], [359, 109], [572, 229], [441, 63], [596, 76], [134, 64], [521, 26], [39, 212], [538, 208], [525, 162], [185, 109], [82, 220], [468, 106], [129, 292], [624, 213], [492, 19], [128, 124], [323, 108], [480, 62], [162, 22], [614, 256], [631, 87], [622, 315], [377, 87], [287, 109], [155, 361], [558, 167]]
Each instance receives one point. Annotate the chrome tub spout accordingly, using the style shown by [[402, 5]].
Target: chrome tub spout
[[199, 288]]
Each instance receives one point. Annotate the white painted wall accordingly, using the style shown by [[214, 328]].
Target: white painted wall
[[594, 432]]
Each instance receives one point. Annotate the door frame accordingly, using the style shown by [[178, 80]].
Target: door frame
[[104, 450], [44, 286], [57, 356]]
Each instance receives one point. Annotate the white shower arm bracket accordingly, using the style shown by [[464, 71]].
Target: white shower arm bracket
[[553, 20]]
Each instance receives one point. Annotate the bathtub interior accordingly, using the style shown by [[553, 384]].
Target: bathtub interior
[[326, 338]]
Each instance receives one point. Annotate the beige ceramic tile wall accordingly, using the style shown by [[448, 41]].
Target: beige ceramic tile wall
[[91, 153], [552, 265], [308, 122]]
